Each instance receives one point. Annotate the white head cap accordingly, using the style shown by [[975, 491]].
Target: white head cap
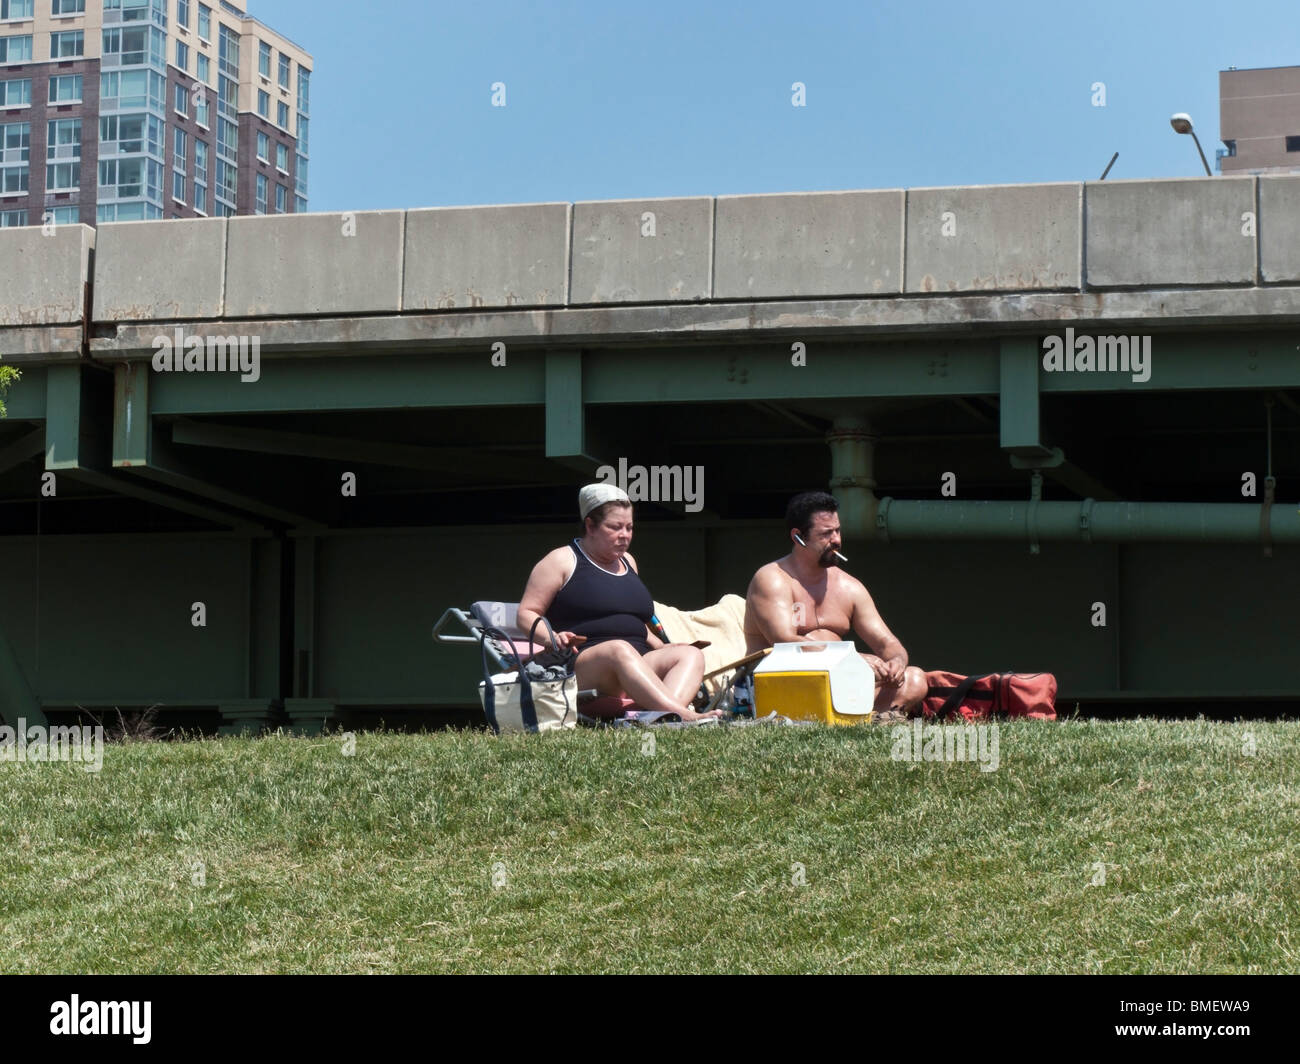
[[594, 495]]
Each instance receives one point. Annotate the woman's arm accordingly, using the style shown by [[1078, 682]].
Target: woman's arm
[[544, 584]]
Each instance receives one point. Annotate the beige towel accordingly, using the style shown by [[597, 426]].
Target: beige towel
[[722, 624]]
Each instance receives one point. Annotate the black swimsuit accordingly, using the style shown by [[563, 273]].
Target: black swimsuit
[[602, 606]]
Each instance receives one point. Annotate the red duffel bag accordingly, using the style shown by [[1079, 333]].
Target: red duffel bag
[[1013, 694]]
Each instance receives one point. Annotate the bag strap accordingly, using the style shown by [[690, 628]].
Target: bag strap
[[959, 694], [527, 709]]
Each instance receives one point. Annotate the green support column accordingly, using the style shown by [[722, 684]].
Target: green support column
[[307, 714], [16, 698], [1018, 394], [566, 422]]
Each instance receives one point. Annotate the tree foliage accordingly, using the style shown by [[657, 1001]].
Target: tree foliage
[[7, 376]]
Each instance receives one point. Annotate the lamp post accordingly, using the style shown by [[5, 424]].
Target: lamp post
[[1182, 123]]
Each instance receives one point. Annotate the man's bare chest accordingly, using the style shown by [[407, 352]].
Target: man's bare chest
[[821, 606]]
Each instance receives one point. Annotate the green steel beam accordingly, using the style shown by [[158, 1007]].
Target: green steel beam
[[78, 442], [375, 383], [21, 450], [1203, 362], [140, 447], [458, 460], [687, 372]]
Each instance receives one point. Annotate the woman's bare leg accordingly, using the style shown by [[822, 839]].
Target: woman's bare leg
[[680, 667], [614, 667]]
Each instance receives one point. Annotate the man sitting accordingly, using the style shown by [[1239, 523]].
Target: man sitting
[[804, 597]]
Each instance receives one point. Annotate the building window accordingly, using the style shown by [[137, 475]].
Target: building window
[[20, 8], [62, 215], [228, 53], [262, 185], [15, 143], [180, 141], [263, 103], [299, 204], [16, 49], [63, 140], [202, 109], [16, 93], [183, 13], [205, 22], [67, 44], [204, 69], [178, 187], [62, 177], [281, 198], [200, 198], [69, 7], [300, 174], [282, 158], [66, 88], [181, 100], [13, 179], [285, 67], [183, 55], [11, 219], [1293, 143], [123, 178], [264, 59], [282, 115], [201, 161], [130, 89], [263, 147], [304, 90]]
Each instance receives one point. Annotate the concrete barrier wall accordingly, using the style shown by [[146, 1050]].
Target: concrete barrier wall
[[1234, 231], [1279, 231], [642, 251], [510, 256], [43, 274], [1005, 238], [161, 270], [809, 244], [1188, 231], [338, 264]]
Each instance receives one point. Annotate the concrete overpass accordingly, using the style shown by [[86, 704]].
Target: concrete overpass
[[468, 368]]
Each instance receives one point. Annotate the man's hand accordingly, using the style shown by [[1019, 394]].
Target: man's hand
[[878, 666], [889, 673]]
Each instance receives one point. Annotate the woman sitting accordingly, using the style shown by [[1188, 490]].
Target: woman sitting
[[592, 594]]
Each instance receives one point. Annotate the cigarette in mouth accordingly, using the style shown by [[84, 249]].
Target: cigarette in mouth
[[839, 556]]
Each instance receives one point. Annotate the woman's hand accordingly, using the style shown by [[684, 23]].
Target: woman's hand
[[569, 640]]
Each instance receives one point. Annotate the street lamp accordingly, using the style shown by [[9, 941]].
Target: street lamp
[[1182, 123]]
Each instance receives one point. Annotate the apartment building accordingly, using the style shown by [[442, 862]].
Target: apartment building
[[1259, 120], [121, 110]]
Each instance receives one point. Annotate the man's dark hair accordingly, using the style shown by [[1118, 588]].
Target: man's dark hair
[[799, 513]]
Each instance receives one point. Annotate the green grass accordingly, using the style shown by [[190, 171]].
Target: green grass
[[682, 861]]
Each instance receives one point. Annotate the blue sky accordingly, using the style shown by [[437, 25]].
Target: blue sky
[[607, 99]]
